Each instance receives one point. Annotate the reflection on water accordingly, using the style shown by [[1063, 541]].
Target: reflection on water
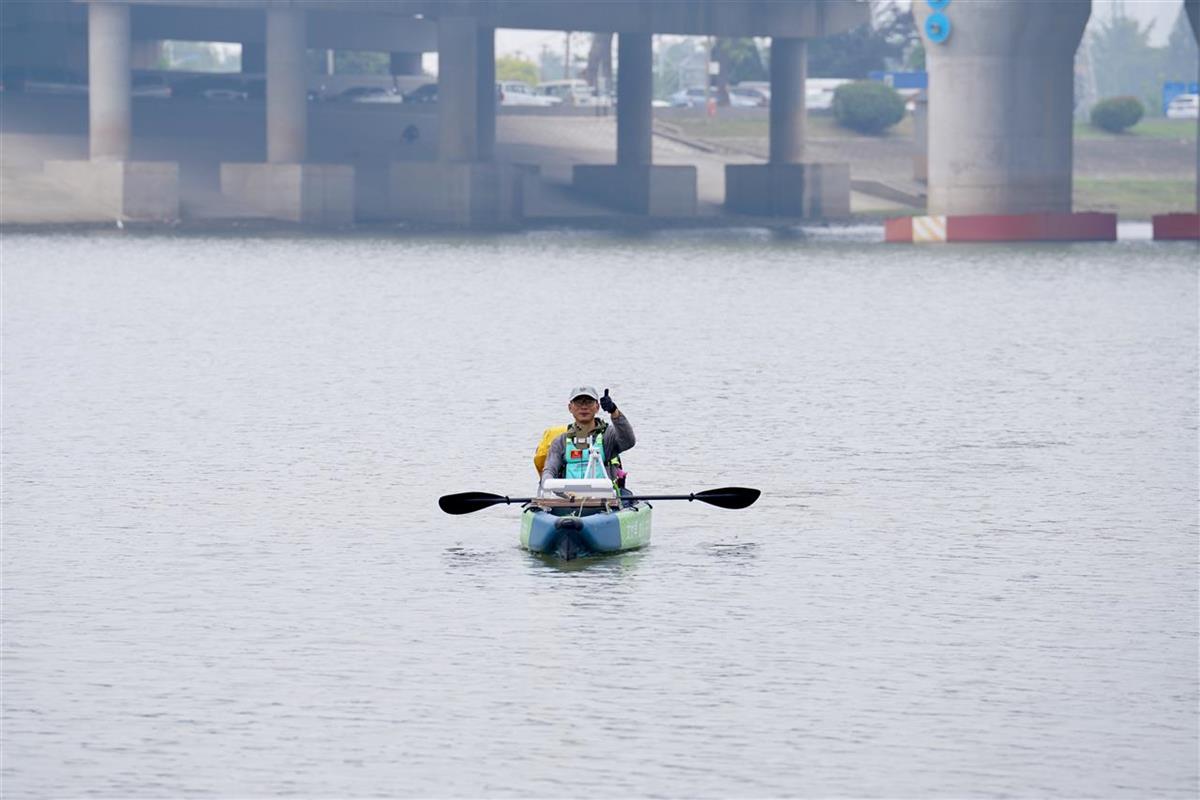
[[971, 572]]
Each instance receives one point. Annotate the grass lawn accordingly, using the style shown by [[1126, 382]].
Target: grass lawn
[[1134, 198], [819, 126], [822, 126], [1149, 128]]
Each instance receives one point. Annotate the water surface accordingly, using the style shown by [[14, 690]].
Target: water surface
[[972, 571]]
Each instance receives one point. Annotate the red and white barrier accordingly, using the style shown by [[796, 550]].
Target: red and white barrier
[[1045, 227], [1177, 227]]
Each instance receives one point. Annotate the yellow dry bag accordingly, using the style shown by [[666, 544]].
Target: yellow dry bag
[[543, 448]]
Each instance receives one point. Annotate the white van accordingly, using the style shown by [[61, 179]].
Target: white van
[[574, 92], [519, 93]]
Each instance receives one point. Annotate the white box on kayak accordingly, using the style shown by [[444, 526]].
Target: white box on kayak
[[580, 487]]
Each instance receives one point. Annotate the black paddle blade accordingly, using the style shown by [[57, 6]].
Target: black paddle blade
[[466, 502], [729, 497]]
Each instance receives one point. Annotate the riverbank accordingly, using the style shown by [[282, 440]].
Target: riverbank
[[1135, 176]]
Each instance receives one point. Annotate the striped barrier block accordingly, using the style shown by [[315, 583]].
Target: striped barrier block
[[1046, 227]]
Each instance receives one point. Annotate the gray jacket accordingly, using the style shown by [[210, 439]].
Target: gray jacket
[[618, 437]]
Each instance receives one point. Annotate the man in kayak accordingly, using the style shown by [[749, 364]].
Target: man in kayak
[[568, 456]]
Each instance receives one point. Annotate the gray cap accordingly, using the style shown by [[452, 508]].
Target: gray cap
[[586, 391]]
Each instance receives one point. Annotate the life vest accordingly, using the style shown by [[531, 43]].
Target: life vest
[[543, 450], [577, 454]]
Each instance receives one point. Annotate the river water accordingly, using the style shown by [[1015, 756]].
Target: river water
[[973, 570]]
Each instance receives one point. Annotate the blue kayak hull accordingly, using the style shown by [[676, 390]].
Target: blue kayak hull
[[567, 536]]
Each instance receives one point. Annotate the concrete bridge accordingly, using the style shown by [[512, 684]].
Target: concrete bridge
[[1000, 126]]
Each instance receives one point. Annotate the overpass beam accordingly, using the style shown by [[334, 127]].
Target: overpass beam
[[110, 99], [635, 87], [287, 95]]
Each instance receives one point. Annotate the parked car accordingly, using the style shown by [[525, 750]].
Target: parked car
[[368, 94], [747, 98], [150, 86], [693, 97], [520, 93], [426, 93], [1184, 106], [221, 93], [209, 87], [574, 92], [762, 87]]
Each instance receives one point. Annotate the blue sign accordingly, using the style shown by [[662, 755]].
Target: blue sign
[[901, 80], [938, 5], [1173, 89], [937, 27]]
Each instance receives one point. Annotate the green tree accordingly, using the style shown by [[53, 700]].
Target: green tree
[[1181, 61], [516, 68], [877, 45], [678, 64], [1124, 62], [600, 61], [740, 60]]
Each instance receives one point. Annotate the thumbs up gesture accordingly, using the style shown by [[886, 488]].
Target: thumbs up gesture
[[607, 403]]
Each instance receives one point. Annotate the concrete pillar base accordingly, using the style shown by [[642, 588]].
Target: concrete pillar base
[[809, 191], [314, 194], [129, 190], [1177, 227], [653, 190], [462, 193]]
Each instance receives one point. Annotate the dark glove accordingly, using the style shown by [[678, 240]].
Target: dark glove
[[607, 403]]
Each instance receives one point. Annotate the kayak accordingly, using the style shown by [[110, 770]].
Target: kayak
[[569, 533]]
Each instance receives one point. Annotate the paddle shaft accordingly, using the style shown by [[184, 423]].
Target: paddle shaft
[[730, 497]]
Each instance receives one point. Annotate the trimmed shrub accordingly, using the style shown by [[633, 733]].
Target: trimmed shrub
[[1116, 114], [867, 106]]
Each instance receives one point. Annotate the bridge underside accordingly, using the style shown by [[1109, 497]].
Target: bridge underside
[[463, 184]]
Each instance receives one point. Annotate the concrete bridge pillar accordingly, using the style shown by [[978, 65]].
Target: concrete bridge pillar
[[1001, 99], [287, 187], [789, 72], [110, 99], [635, 88], [466, 90], [786, 186], [287, 88], [1193, 11], [464, 187], [635, 184], [405, 64], [1185, 225], [128, 190]]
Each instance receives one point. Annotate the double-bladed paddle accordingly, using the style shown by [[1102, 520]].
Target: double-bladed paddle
[[728, 497]]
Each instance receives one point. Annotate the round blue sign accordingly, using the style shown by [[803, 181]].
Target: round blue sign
[[937, 27]]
